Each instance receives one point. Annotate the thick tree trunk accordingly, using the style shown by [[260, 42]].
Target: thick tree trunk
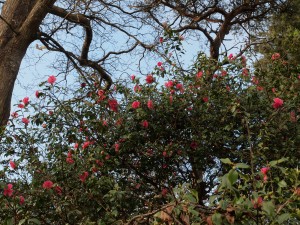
[[19, 24]]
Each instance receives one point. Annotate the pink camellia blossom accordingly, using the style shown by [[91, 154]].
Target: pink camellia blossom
[[293, 117], [48, 184], [22, 200], [257, 203], [230, 57], [8, 191], [149, 79], [275, 56], [137, 88], [69, 160], [76, 145], [199, 74], [14, 115], [37, 94], [179, 86], [171, 99], [21, 106], [145, 123], [277, 103], [113, 105], [86, 144], [12, 164], [223, 73], [25, 121], [169, 84], [150, 104], [161, 40], [83, 176], [159, 64], [51, 79], [132, 77], [205, 99], [164, 192], [25, 100], [58, 190], [136, 104], [117, 147], [264, 170], [244, 60]]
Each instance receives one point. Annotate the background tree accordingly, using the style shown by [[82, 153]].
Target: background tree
[[26, 21]]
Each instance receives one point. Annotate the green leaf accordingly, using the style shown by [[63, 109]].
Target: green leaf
[[22, 221], [226, 161], [217, 219], [283, 217], [275, 162], [282, 183], [269, 208], [242, 166], [34, 220], [233, 176]]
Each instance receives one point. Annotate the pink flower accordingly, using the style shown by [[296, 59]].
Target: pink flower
[[58, 190], [47, 184], [149, 79], [223, 73], [205, 99], [150, 104], [264, 170], [25, 121], [37, 94], [169, 84], [230, 57], [136, 104], [199, 74], [51, 79], [245, 72], [70, 160], [171, 99], [255, 80], [14, 115], [22, 200], [83, 176], [8, 191], [257, 203], [21, 106], [86, 144], [179, 86], [159, 64], [277, 103], [145, 123], [26, 100], [275, 56], [113, 105], [293, 117], [12, 164], [137, 88], [161, 40], [164, 192], [76, 145], [117, 147], [132, 77]]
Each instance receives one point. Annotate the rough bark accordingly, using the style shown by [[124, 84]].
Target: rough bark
[[19, 24]]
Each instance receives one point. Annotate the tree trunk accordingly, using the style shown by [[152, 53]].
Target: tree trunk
[[19, 24]]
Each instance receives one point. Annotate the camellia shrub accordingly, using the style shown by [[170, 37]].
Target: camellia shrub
[[215, 144]]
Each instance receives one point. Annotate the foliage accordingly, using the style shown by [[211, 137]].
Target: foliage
[[217, 144]]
